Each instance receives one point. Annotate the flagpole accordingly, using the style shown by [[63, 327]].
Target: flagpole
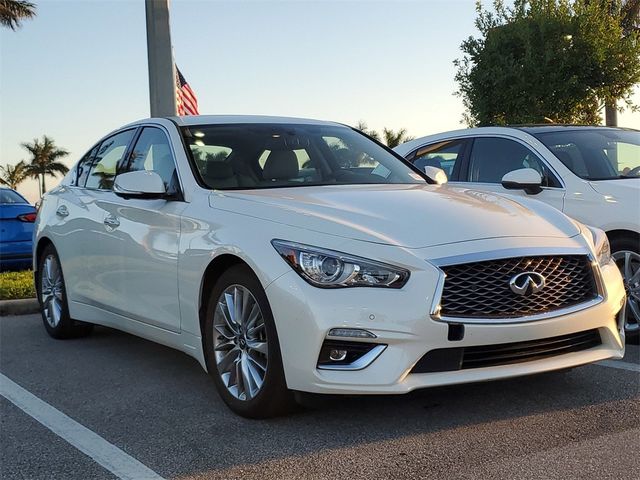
[[162, 73]]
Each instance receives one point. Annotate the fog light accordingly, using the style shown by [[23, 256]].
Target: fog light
[[350, 332], [347, 355], [337, 355]]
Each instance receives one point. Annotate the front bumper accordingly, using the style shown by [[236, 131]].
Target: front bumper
[[401, 319]]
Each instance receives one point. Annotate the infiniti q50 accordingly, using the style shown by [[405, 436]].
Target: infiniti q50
[[297, 255]]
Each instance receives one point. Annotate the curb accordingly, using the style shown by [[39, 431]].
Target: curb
[[22, 306]]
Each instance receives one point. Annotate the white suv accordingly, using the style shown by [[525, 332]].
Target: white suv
[[590, 173]]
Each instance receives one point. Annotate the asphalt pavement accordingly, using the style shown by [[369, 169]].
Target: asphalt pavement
[[158, 407]]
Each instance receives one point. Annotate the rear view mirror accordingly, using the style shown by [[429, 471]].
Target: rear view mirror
[[526, 179], [139, 184], [436, 175]]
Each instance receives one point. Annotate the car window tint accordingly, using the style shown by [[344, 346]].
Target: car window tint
[[152, 153], [108, 160], [286, 155], [492, 158], [443, 155], [9, 196], [84, 165], [596, 154]]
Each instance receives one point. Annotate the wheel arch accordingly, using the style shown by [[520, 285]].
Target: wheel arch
[[216, 267], [617, 234], [43, 243]]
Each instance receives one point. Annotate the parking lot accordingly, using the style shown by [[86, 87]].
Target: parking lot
[[157, 407]]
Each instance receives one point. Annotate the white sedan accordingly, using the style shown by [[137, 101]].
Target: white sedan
[[288, 254], [590, 173]]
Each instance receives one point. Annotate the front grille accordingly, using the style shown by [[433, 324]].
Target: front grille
[[481, 289], [461, 358]]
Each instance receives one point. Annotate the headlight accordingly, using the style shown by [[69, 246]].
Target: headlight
[[601, 245], [329, 269]]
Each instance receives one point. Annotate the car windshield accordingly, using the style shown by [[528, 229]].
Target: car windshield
[[597, 154], [9, 196], [251, 156]]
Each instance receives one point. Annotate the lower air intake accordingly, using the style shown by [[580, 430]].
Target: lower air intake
[[461, 358]]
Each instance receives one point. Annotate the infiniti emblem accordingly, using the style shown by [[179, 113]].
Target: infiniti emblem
[[526, 283]]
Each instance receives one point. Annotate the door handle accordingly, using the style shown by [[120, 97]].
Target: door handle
[[62, 211], [112, 222]]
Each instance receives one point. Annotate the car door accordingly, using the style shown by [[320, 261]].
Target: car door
[[490, 158], [96, 245], [141, 238], [72, 229]]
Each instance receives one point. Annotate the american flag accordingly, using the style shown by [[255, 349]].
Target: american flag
[[186, 101]]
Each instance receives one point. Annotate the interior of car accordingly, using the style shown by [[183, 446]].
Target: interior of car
[[268, 156]]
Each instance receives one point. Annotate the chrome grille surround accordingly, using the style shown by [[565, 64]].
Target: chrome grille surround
[[580, 260]]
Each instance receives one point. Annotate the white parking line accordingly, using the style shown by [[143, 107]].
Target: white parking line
[[632, 367], [90, 443]]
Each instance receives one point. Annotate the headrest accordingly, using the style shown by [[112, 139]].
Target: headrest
[[219, 170], [281, 165]]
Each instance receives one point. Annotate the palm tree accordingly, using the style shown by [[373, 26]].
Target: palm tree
[[393, 139], [363, 127], [12, 175], [44, 160], [12, 12]]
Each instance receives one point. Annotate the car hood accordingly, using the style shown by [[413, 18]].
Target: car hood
[[622, 190], [412, 216]]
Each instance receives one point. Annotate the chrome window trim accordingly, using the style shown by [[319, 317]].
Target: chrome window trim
[[434, 311], [361, 363]]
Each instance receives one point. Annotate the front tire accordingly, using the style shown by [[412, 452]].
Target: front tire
[[52, 296], [626, 254], [242, 349]]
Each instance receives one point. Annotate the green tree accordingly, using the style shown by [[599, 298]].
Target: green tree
[[12, 12], [44, 160], [547, 60], [13, 175]]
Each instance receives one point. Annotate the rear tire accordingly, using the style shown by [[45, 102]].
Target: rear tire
[[52, 296], [242, 349], [626, 254]]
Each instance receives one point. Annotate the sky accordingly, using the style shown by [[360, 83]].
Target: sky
[[79, 69]]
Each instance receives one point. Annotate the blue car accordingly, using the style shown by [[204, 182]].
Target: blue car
[[16, 230]]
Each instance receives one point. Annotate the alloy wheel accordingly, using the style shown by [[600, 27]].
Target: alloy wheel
[[240, 342], [629, 264], [51, 288]]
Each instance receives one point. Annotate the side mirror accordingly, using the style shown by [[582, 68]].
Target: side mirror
[[140, 184], [436, 175], [526, 179]]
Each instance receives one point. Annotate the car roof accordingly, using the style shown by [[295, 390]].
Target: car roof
[[546, 128], [192, 120], [520, 131]]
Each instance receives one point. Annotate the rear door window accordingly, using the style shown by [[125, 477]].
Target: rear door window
[[108, 161], [84, 165]]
